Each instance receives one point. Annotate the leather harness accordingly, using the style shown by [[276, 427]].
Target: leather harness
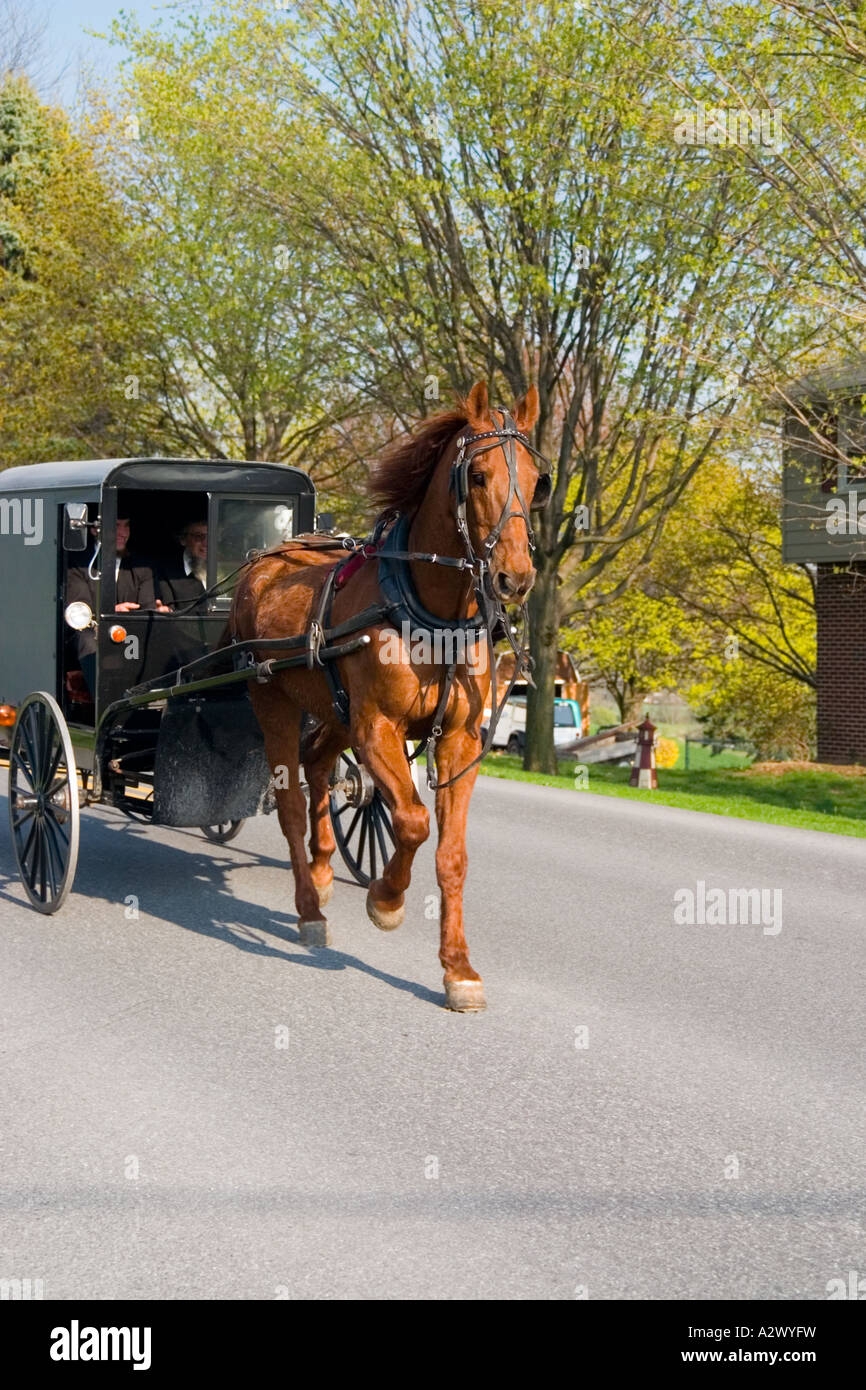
[[388, 544], [402, 604]]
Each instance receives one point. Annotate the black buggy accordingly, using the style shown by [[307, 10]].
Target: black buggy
[[163, 728]]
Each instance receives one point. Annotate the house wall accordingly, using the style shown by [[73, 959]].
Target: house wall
[[841, 611], [806, 536]]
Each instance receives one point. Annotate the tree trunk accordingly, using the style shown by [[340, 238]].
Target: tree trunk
[[540, 753]]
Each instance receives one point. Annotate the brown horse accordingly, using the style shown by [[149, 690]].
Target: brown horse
[[391, 699]]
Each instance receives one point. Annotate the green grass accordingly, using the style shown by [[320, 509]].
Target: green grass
[[703, 759], [813, 799]]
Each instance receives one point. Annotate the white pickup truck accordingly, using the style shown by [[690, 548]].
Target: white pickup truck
[[511, 729]]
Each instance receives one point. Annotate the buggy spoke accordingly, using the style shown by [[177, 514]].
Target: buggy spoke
[[378, 817], [28, 844], [371, 818], [363, 839], [18, 762], [43, 742], [53, 857], [39, 863], [33, 771], [57, 827], [353, 823], [51, 774]]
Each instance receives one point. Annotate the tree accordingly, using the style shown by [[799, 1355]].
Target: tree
[[740, 699], [66, 336], [518, 207], [242, 349], [636, 644], [21, 39], [715, 614], [784, 82], [721, 561]]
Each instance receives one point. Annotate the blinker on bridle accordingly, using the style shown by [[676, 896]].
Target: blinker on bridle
[[505, 438]]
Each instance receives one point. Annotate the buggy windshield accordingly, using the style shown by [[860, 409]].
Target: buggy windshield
[[244, 524]]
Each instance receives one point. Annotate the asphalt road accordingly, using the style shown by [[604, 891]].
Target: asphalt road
[[195, 1106]]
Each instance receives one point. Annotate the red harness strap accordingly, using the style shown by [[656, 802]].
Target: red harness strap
[[353, 564]]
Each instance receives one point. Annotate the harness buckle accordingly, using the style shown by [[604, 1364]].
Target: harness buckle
[[315, 637]]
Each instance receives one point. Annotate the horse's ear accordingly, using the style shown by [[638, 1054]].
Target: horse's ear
[[478, 405], [526, 410]]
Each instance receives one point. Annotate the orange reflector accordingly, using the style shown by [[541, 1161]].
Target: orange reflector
[[117, 633], [7, 715]]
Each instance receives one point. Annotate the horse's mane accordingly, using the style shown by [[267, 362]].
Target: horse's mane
[[399, 479]]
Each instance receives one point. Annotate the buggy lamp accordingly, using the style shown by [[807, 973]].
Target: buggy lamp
[[78, 615], [117, 633], [7, 716]]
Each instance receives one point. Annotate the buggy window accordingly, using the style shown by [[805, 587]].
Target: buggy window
[[563, 716], [245, 524]]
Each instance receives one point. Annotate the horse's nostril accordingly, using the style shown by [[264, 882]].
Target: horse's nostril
[[511, 586]]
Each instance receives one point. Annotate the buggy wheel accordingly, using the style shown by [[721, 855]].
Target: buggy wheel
[[222, 833], [361, 822], [43, 802]]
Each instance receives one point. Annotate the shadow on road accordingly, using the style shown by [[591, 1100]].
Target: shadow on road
[[191, 887]]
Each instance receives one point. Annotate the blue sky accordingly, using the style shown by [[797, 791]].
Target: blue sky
[[69, 49]]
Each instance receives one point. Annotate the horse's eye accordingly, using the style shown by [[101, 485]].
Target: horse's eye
[[479, 479]]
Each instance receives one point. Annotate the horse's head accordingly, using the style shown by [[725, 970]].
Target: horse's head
[[496, 485]]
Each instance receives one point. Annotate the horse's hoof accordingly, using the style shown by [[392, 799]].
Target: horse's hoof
[[326, 892], [382, 918], [465, 996], [314, 934]]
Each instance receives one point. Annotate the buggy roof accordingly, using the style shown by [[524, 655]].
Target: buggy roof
[[157, 473]]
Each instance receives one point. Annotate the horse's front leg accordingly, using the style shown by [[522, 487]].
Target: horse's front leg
[[464, 991], [383, 751]]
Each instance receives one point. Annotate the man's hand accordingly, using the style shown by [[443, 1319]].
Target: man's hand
[[125, 607], [161, 607]]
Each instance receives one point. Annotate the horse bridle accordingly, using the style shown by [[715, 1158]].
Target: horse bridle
[[490, 605], [505, 439]]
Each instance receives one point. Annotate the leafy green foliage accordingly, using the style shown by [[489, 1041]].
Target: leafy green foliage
[[67, 338]]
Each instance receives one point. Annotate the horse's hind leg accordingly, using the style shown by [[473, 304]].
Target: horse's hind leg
[[280, 721], [318, 764]]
